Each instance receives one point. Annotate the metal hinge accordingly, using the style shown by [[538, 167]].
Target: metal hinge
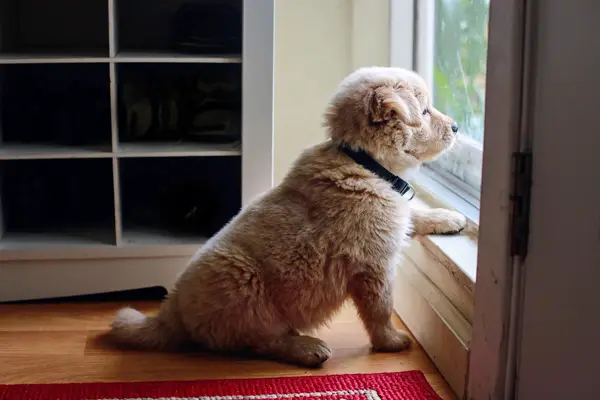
[[521, 200]]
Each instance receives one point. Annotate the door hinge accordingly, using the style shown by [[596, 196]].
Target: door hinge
[[521, 200]]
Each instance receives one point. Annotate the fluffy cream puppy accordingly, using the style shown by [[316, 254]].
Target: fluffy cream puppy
[[332, 230]]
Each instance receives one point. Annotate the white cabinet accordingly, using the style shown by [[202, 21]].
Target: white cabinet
[[130, 131]]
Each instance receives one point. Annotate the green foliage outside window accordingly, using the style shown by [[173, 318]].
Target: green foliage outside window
[[460, 62]]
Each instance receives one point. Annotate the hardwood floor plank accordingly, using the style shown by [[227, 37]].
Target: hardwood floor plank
[[64, 343], [62, 317], [42, 343]]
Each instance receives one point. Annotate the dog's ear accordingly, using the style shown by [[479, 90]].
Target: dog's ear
[[385, 103]]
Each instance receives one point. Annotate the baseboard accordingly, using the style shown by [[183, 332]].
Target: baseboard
[[29, 280]]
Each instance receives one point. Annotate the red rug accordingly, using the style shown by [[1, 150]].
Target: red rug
[[390, 386]]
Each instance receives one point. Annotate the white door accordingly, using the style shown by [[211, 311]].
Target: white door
[[537, 318], [559, 348]]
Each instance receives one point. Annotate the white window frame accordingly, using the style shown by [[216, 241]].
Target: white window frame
[[412, 31]]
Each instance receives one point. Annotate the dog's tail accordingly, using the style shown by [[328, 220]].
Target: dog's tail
[[132, 329]]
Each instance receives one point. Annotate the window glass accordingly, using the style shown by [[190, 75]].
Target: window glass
[[460, 62]]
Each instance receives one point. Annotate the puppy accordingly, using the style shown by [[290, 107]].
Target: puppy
[[332, 230]]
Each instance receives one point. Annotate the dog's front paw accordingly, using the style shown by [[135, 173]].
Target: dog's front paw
[[447, 222], [392, 340]]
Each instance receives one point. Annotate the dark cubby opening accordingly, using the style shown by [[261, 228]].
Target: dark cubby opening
[[58, 198], [55, 104], [68, 28], [178, 199], [186, 26], [179, 102]]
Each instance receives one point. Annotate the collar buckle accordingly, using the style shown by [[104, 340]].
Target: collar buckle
[[363, 158]]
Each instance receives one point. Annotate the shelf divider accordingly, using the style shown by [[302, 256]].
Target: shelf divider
[[112, 28], [114, 123], [114, 102], [117, 202]]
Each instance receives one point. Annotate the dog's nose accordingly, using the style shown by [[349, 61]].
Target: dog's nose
[[454, 128]]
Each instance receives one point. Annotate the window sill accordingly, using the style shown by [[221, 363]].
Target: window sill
[[458, 252]]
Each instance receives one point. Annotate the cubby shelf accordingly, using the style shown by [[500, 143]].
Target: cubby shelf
[[114, 128], [124, 150], [34, 58], [178, 150], [15, 242], [171, 57], [41, 151], [124, 57]]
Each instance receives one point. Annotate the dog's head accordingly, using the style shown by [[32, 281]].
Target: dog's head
[[388, 112]]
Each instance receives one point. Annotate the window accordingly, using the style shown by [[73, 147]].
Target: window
[[451, 54]]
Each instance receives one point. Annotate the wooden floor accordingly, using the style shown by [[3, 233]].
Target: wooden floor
[[51, 343]]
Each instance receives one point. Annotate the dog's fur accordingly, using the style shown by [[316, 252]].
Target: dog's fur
[[332, 230]]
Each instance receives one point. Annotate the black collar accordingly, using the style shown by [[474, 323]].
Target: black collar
[[363, 158]]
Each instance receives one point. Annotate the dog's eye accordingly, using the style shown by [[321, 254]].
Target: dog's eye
[[426, 111]]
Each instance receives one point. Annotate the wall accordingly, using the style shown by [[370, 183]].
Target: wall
[[317, 43]]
